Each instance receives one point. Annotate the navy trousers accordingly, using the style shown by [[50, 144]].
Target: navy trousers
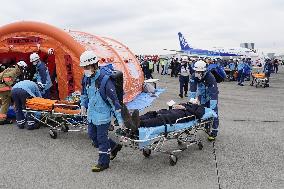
[[19, 97], [215, 126], [99, 137], [241, 77], [183, 84]]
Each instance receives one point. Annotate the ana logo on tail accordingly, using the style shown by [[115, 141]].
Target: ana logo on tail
[[183, 43]]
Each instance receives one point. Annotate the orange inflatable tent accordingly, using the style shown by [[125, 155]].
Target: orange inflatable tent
[[18, 40]]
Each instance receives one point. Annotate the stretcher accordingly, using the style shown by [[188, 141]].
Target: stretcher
[[57, 115], [259, 80], [153, 138]]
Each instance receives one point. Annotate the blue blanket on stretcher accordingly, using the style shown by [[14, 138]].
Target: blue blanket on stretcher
[[152, 132]]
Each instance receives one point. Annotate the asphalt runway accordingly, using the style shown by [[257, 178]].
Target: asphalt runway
[[249, 148]]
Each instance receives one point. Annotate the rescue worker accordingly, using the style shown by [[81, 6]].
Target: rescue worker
[[267, 69], [7, 78], [275, 66], [204, 89], [185, 71], [232, 68], [163, 64], [99, 111], [42, 76], [241, 74], [21, 91]]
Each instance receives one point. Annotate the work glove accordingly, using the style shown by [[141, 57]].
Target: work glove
[[121, 126], [83, 111], [41, 85]]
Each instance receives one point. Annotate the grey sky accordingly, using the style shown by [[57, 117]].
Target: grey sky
[[148, 26]]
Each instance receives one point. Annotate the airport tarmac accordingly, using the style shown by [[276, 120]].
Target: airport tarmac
[[249, 149]]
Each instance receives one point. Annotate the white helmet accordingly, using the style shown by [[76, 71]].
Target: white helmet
[[184, 59], [88, 58], [50, 51], [22, 64], [200, 66], [34, 57]]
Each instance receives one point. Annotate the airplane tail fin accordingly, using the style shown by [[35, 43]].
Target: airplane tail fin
[[183, 43]]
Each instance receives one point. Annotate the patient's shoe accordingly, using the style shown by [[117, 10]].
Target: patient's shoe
[[136, 118], [114, 151], [127, 118]]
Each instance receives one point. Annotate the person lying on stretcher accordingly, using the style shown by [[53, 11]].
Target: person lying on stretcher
[[163, 116]]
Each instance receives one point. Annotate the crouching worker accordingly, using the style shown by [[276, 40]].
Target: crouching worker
[[7, 78], [99, 110], [203, 86], [20, 93]]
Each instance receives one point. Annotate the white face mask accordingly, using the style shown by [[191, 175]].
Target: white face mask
[[88, 73], [35, 63], [198, 75]]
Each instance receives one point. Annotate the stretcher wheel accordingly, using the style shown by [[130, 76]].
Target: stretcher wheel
[[173, 160], [180, 142], [146, 152], [200, 145], [65, 128], [53, 134]]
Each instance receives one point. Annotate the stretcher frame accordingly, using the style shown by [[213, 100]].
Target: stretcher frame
[[259, 82], [50, 119], [185, 138]]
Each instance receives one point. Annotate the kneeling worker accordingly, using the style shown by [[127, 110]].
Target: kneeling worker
[[99, 111], [204, 84]]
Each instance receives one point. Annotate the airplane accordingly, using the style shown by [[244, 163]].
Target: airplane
[[238, 52], [187, 49]]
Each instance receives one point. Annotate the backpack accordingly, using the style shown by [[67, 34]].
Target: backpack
[[218, 72], [107, 72]]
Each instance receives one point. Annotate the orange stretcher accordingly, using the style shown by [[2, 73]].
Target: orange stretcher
[[38, 103], [259, 80], [258, 75], [58, 115]]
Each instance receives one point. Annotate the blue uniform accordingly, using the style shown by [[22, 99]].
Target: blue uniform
[[207, 92], [232, 66], [42, 76], [247, 70], [99, 113], [20, 92], [241, 75], [267, 69]]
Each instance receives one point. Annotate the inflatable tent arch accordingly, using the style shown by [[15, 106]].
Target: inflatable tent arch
[[18, 40]]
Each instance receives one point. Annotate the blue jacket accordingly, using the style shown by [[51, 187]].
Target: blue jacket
[[100, 111], [232, 66], [42, 75], [267, 68], [205, 89], [29, 86], [240, 66], [246, 69]]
